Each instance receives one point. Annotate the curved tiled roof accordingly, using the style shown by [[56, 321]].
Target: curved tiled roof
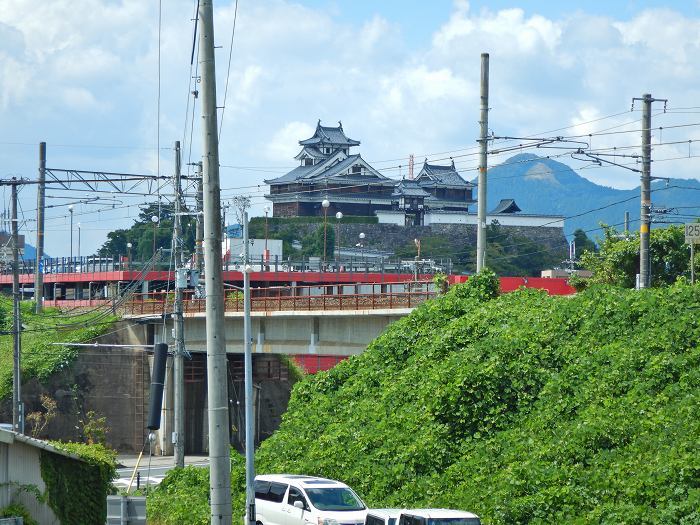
[[437, 174], [505, 206], [329, 135], [409, 188]]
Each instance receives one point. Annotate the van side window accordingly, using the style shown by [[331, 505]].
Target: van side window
[[262, 488], [407, 519], [296, 495], [270, 491], [277, 491], [373, 520]]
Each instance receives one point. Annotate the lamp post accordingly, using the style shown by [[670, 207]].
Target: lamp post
[[78, 241], [338, 217], [154, 220], [325, 204], [362, 246], [70, 264], [266, 254], [128, 255]]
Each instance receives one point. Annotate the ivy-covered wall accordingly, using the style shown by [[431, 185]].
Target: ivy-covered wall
[[77, 490]]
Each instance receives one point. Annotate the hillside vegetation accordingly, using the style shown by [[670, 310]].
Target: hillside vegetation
[[40, 357], [523, 408]]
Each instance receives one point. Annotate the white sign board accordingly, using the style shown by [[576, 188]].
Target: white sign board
[[692, 233]]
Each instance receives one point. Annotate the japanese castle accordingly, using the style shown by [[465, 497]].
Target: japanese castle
[[329, 170]]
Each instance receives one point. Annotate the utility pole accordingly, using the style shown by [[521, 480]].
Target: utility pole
[[199, 253], [645, 218], [40, 204], [180, 283], [645, 208], [17, 406], [627, 224], [248, 370], [481, 200], [217, 386]]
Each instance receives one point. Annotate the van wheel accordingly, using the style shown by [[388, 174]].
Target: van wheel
[[258, 523]]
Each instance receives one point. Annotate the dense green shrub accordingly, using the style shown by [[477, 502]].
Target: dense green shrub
[[523, 408], [17, 510]]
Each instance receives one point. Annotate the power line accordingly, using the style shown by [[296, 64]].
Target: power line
[[228, 71]]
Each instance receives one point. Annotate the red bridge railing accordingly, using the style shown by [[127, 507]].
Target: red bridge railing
[[289, 299]]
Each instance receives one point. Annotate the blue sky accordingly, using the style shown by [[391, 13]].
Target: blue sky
[[402, 76]]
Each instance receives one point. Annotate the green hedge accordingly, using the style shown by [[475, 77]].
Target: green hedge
[[523, 408]]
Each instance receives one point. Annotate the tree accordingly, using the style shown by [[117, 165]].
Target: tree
[[583, 243], [142, 232], [312, 244], [617, 262]]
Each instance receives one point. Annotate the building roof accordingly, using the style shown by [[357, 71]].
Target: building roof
[[409, 188], [505, 206], [332, 167], [436, 174], [310, 151], [9, 436], [330, 136]]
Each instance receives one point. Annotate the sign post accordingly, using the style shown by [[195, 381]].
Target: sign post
[[692, 236]]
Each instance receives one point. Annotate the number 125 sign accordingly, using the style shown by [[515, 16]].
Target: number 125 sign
[[692, 233]]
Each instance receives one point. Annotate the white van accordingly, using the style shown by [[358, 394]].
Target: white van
[[290, 499], [437, 517]]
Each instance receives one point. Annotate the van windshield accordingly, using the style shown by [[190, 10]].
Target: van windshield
[[338, 499]]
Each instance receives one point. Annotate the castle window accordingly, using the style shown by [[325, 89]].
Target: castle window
[[357, 169], [308, 162]]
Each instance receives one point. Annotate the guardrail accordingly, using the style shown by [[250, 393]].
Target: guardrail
[[290, 299]]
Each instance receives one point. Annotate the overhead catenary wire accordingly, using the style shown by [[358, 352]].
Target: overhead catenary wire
[[228, 69]]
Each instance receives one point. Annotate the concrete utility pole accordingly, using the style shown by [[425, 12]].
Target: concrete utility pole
[[481, 199], [199, 252], [17, 406], [40, 204], [645, 208], [178, 359], [645, 219], [217, 386], [248, 370]]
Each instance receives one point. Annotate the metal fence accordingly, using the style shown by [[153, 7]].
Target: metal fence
[[370, 296]]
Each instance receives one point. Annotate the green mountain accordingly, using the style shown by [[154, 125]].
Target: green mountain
[[524, 408], [543, 185]]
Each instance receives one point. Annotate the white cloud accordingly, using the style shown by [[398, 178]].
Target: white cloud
[[284, 144], [293, 63], [80, 99]]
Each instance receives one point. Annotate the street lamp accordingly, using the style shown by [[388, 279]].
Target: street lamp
[[338, 217], [325, 204], [154, 219], [266, 254], [70, 264], [362, 245], [128, 255]]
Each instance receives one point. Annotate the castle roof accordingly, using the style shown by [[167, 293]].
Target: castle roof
[[332, 167], [330, 136], [505, 206], [409, 188], [439, 175]]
